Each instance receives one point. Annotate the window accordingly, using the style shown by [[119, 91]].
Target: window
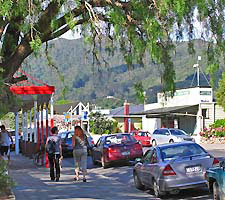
[[164, 132], [148, 156], [154, 158], [205, 113]]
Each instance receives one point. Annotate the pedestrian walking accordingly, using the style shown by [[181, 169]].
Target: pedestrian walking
[[5, 138], [79, 143], [54, 150]]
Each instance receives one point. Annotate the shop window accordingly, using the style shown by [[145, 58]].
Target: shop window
[[205, 113]]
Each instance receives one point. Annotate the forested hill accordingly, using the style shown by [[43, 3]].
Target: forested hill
[[87, 82]]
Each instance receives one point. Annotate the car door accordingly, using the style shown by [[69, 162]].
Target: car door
[[151, 169], [165, 136], [144, 168], [97, 149]]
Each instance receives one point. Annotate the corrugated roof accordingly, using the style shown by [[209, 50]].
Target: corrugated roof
[[133, 109]]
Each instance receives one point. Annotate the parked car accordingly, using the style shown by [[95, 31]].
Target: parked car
[[116, 148], [173, 167], [169, 135], [216, 181], [67, 142], [144, 137]]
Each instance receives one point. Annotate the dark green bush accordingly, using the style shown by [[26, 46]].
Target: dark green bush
[[5, 180]]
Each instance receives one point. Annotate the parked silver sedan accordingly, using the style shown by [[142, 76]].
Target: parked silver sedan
[[172, 167], [169, 135]]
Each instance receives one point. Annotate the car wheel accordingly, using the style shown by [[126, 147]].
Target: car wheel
[[157, 191], [171, 141], [154, 143], [216, 195], [104, 165], [137, 182]]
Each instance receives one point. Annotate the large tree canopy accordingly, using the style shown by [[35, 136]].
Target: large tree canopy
[[140, 26]]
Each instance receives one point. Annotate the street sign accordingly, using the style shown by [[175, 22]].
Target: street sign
[[67, 117]]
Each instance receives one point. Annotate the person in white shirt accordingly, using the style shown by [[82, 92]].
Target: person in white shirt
[[5, 138]]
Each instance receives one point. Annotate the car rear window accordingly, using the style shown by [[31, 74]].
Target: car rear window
[[176, 151], [177, 132], [119, 139]]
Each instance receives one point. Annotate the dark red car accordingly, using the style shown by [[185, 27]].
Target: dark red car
[[144, 137], [116, 148]]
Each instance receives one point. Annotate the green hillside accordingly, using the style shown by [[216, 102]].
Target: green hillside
[[89, 82]]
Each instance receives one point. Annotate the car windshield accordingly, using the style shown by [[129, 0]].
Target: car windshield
[[176, 151], [177, 132], [119, 139], [145, 134]]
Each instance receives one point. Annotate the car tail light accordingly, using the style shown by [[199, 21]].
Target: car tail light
[[168, 171], [112, 150], [216, 162]]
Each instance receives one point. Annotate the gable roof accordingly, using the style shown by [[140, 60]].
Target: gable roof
[[133, 109]]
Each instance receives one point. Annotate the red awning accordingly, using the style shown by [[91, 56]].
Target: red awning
[[31, 90]]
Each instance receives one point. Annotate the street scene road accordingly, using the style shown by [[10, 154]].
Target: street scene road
[[122, 175], [115, 182]]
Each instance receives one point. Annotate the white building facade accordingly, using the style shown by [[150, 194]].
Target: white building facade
[[190, 109]]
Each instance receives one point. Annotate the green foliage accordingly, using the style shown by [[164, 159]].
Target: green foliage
[[63, 101], [140, 92], [5, 7], [217, 129], [99, 124], [141, 29], [5, 179], [36, 45], [220, 94]]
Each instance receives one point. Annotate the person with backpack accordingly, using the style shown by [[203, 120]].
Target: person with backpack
[[80, 143], [54, 150]]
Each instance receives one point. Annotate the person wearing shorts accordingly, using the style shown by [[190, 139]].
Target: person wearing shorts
[[79, 143], [5, 142]]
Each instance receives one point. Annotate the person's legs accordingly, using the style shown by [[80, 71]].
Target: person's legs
[[8, 153], [57, 166], [51, 163], [83, 163], [76, 156]]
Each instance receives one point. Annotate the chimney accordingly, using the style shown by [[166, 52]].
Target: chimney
[[126, 112]]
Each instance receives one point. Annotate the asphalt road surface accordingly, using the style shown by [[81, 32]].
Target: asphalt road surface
[[122, 175]]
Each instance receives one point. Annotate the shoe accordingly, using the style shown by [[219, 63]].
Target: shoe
[[52, 179], [76, 179], [57, 180], [84, 180]]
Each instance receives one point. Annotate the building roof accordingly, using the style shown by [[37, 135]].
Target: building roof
[[62, 108], [182, 110], [133, 109]]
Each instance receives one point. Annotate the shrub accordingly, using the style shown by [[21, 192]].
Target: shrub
[[217, 129], [5, 179]]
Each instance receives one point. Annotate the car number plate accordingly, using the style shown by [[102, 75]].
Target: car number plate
[[125, 153], [193, 169]]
